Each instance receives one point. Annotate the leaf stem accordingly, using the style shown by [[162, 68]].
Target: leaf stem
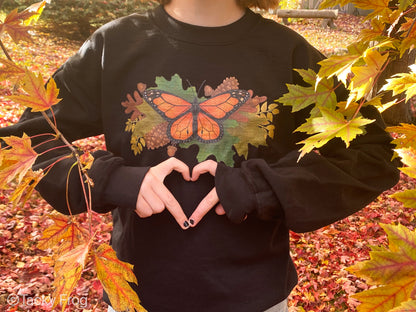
[[51, 149], [5, 51]]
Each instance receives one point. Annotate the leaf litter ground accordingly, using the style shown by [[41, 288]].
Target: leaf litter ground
[[320, 256]]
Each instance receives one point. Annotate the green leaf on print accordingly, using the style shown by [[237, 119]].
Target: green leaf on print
[[250, 132], [175, 86], [145, 125]]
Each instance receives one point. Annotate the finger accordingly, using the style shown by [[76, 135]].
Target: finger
[[172, 164], [204, 167], [143, 209], [219, 210], [153, 201], [172, 205], [204, 206]]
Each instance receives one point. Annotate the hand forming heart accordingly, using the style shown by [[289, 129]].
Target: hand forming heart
[[154, 196]]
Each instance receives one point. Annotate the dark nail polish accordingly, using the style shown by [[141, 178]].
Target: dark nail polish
[[186, 224], [191, 221]]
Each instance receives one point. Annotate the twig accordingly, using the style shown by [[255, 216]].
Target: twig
[[5, 51]]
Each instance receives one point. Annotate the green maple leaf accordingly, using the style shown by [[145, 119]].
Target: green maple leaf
[[403, 83], [300, 97]]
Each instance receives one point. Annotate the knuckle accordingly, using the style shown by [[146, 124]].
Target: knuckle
[[158, 208]]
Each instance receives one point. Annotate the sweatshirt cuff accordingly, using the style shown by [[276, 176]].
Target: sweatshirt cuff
[[123, 186], [234, 192]]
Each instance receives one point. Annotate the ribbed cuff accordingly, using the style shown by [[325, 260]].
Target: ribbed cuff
[[235, 193]]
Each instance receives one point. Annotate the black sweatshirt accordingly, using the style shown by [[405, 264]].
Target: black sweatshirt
[[157, 87]]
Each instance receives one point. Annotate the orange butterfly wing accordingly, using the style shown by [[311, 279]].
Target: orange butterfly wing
[[223, 105], [215, 109], [166, 104], [203, 119], [182, 128], [174, 109]]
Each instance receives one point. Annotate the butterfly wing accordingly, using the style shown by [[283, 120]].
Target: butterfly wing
[[166, 104], [224, 104], [209, 130], [215, 109], [174, 109], [181, 130]]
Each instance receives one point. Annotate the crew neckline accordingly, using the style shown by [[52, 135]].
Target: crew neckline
[[206, 35]]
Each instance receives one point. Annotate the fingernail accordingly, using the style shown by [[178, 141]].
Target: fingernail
[[186, 224], [191, 221]]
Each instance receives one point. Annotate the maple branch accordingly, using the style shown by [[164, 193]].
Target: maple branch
[[87, 200]]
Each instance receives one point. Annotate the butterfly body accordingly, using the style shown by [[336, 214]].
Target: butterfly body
[[200, 120]]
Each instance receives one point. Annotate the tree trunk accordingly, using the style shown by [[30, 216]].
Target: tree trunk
[[402, 112]]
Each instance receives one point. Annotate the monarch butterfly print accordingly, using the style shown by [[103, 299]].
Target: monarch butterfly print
[[200, 120]]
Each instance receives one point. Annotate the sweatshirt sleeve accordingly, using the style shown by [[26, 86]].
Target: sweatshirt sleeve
[[316, 191], [321, 188], [78, 116]]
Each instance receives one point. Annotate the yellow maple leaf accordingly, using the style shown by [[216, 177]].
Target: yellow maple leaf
[[364, 76], [114, 276], [378, 7], [407, 135], [403, 83], [385, 298], [408, 306], [401, 239], [16, 23], [10, 69], [38, 98], [408, 157], [65, 233], [32, 13], [16, 160], [27, 186], [332, 124], [331, 3], [407, 198], [67, 270]]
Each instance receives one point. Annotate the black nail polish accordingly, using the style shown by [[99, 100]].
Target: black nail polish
[[186, 224], [191, 221]]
